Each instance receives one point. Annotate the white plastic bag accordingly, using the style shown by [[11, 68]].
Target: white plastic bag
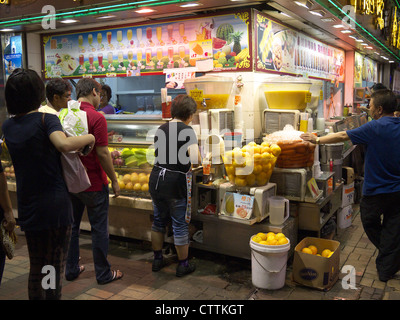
[[73, 119]]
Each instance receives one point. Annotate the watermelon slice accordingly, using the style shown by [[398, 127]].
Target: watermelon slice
[[218, 43]]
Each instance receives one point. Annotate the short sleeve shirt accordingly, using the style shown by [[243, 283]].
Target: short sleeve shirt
[[382, 154], [172, 141], [97, 126], [42, 195]]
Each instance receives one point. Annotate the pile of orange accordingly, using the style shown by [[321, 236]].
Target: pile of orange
[[270, 238], [311, 249]]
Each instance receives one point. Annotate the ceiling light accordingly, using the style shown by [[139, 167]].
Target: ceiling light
[[359, 40], [369, 47], [319, 13], [69, 21], [346, 31], [6, 30], [304, 3], [376, 53], [145, 11], [328, 19], [188, 5], [391, 61], [337, 26], [364, 44], [106, 17], [353, 37]]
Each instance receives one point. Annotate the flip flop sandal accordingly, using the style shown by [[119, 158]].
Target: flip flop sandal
[[116, 275]]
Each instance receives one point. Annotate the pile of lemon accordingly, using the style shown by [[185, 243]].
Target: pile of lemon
[[251, 165], [270, 238], [311, 249]]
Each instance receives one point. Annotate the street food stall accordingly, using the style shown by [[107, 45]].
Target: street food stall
[[258, 83]]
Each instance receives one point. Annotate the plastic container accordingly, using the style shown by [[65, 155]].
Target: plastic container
[[287, 93], [215, 89], [278, 210], [268, 265]]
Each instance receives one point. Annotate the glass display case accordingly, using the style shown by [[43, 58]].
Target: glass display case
[[131, 146]]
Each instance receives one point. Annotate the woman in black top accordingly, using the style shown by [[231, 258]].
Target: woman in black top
[[176, 149], [35, 144]]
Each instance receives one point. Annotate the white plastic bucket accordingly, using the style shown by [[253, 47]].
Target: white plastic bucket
[[268, 265]]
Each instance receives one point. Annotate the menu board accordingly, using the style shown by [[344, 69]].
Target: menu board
[[280, 49], [220, 42]]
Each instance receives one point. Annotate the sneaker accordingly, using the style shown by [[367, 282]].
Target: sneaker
[[158, 264], [184, 270]]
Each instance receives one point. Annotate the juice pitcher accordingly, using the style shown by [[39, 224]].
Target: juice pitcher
[[278, 210]]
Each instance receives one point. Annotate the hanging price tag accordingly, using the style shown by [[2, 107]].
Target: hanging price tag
[[196, 94], [321, 95], [308, 97]]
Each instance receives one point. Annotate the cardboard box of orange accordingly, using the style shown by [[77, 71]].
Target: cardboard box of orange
[[316, 271]]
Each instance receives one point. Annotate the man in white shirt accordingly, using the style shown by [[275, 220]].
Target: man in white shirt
[[58, 93]]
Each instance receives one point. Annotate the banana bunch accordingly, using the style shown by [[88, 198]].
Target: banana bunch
[[266, 42]]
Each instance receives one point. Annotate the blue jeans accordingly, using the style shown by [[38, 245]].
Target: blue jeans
[[175, 209], [96, 204]]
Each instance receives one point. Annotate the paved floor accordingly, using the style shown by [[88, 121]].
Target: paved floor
[[217, 277]]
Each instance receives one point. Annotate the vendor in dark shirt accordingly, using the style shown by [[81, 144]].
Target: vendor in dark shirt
[[176, 149]]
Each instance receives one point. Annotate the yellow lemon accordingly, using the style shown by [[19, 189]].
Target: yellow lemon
[[257, 169], [230, 169], [252, 144], [266, 167], [257, 239], [280, 235], [272, 242], [263, 242], [129, 186], [145, 187], [126, 178], [265, 149], [250, 179], [329, 255], [263, 236], [257, 149], [275, 149], [271, 237], [325, 253], [313, 249], [270, 234], [240, 182], [264, 144], [137, 186], [121, 184], [134, 178], [306, 250], [282, 241]]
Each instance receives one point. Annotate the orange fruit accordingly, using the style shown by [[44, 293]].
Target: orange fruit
[[313, 249], [145, 187], [137, 186], [126, 178], [134, 178], [282, 241], [326, 253], [129, 186], [306, 250]]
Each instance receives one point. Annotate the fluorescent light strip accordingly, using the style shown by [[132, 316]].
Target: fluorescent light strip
[[93, 11]]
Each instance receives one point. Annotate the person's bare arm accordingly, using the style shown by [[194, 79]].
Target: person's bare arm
[[330, 138], [68, 144], [106, 163]]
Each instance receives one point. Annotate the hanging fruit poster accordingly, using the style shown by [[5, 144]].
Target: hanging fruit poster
[[221, 41], [282, 50]]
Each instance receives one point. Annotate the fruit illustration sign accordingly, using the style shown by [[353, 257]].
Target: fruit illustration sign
[[282, 50], [222, 40]]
